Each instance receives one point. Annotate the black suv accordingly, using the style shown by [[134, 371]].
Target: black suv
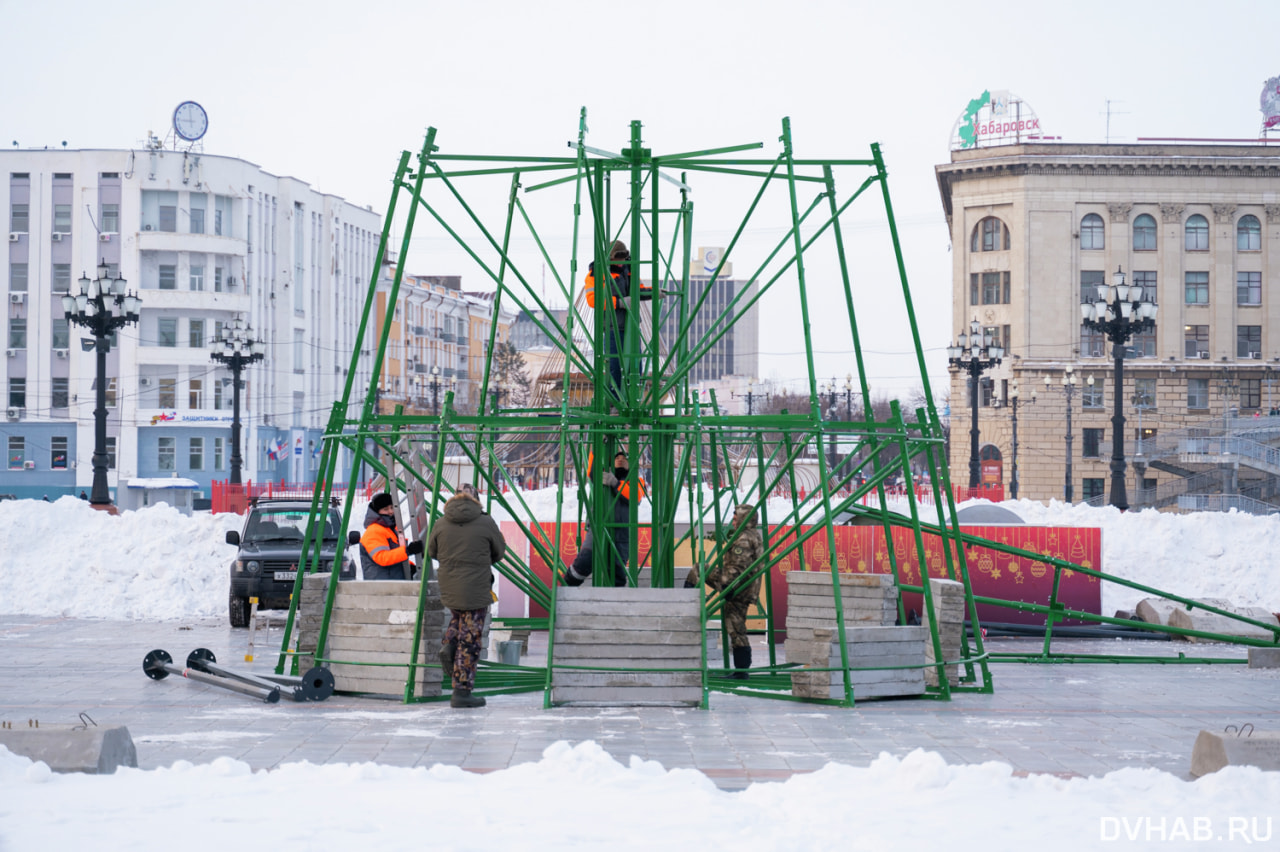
[[270, 549]]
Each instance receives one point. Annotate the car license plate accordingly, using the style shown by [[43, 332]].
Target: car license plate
[[286, 575]]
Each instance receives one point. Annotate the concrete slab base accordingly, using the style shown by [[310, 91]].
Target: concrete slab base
[[1264, 658], [92, 750], [1251, 748]]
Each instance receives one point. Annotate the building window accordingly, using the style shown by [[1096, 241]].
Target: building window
[[1197, 288], [1250, 393], [1197, 394], [1196, 341], [1146, 279], [168, 395], [1248, 288], [987, 391], [168, 277], [111, 452], [1093, 487], [195, 333], [197, 278], [217, 222], [218, 403], [197, 220], [61, 393], [993, 290], [1093, 344], [169, 218], [1144, 233], [62, 278], [195, 393], [58, 452], [990, 235], [111, 393], [62, 218], [195, 453], [218, 285], [1092, 233], [17, 452], [18, 392], [1089, 281], [166, 453], [61, 333], [1144, 344], [1144, 393], [167, 332], [1091, 395], [1197, 233], [1248, 234], [17, 333], [1248, 341], [19, 218], [17, 278], [218, 452], [1092, 443], [110, 214], [299, 350]]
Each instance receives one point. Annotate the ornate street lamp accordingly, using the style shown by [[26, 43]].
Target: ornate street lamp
[[237, 350], [101, 306], [1013, 405], [1069, 390], [974, 353], [1118, 314]]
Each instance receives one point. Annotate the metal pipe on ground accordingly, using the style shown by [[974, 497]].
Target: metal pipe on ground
[[158, 665], [315, 685]]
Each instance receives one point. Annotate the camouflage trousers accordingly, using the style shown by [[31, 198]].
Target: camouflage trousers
[[734, 613], [466, 626]]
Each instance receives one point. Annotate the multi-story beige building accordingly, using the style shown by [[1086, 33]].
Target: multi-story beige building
[[1034, 229]]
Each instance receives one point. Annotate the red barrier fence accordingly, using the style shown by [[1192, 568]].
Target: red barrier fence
[[226, 497]]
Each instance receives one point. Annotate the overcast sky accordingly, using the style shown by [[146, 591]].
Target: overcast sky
[[331, 92]]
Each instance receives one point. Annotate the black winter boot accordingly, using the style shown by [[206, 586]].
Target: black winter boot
[[464, 698], [741, 662]]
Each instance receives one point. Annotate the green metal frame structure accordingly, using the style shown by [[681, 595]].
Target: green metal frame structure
[[701, 462]]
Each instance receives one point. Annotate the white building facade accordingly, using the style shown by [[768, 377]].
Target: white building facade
[[203, 240]]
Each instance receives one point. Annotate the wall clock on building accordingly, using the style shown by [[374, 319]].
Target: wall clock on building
[[190, 121]]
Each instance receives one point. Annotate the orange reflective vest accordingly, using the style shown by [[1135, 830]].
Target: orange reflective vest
[[624, 485], [591, 289]]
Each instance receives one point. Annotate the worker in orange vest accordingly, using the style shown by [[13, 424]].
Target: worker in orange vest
[[618, 487], [616, 329]]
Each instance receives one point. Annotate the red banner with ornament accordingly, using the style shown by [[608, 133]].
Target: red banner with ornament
[[863, 550]]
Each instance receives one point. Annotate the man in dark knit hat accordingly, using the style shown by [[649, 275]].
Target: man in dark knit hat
[[382, 554]]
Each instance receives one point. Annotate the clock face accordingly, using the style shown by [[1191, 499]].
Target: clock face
[[190, 121]]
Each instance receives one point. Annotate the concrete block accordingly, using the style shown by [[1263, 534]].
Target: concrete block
[[1264, 658], [93, 750], [1211, 622], [1212, 752]]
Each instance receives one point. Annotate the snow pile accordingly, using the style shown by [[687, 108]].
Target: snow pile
[[581, 798], [66, 559]]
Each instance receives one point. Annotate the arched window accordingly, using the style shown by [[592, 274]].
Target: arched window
[[990, 235], [1197, 231], [1248, 234], [1144, 233], [1092, 232]]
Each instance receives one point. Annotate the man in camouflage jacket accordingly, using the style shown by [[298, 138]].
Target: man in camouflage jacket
[[743, 547]]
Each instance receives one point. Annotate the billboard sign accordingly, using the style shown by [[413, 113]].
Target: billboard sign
[[995, 118]]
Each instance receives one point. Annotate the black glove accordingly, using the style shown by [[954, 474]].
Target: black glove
[[413, 548], [689, 584]]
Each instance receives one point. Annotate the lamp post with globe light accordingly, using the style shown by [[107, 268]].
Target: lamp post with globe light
[[102, 306], [974, 353], [237, 350], [1118, 314]]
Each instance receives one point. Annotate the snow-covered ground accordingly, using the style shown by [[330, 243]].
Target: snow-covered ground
[[65, 559]]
